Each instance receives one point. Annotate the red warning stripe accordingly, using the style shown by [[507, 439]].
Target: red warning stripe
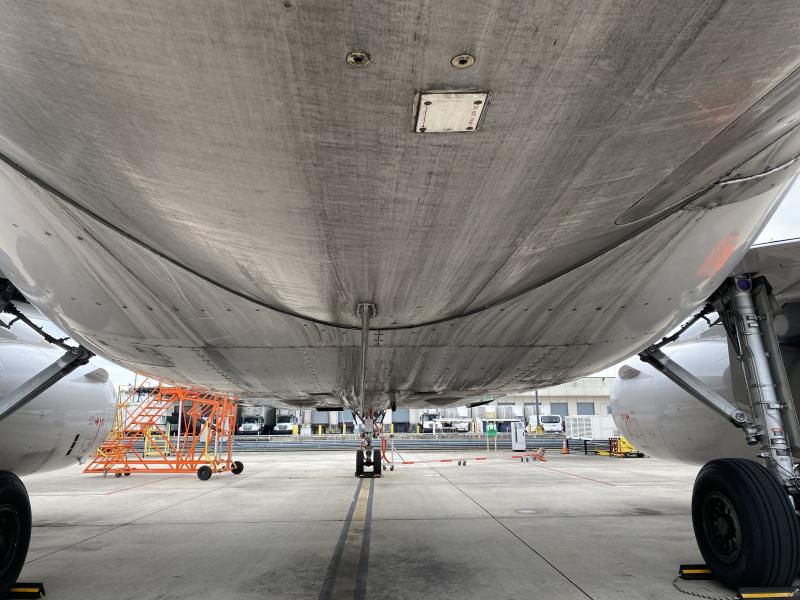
[[442, 460]]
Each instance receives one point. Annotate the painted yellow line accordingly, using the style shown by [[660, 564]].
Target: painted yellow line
[[344, 586]]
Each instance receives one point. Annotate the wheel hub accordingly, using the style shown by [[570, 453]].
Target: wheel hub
[[9, 536], [722, 528]]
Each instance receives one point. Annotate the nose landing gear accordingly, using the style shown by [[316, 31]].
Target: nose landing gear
[[368, 458], [368, 455]]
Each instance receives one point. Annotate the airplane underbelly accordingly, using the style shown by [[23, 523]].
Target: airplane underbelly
[[143, 312], [240, 143], [205, 195]]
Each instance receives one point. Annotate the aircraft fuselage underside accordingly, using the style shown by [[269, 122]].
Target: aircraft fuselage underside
[[206, 196]]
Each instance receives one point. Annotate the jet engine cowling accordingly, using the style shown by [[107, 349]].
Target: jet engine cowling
[[662, 420], [61, 425]]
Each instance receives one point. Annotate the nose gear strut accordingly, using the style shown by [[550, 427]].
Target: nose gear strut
[[367, 455]]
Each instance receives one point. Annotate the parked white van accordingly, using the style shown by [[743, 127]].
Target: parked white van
[[550, 423]]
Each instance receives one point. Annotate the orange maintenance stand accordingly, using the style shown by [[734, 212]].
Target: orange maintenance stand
[[141, 440]]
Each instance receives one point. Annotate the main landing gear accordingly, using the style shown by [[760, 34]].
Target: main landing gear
[[744, 513], [745, 524], [15, 529]]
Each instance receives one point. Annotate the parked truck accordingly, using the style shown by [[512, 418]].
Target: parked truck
[[285, 424], [256, 420], [427, 421]]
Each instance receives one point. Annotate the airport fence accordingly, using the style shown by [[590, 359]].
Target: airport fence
[[413, 442], [407, 442]]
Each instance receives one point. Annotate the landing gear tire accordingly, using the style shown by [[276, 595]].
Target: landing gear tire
[[15, 529], [359, 463], [376, 463], [237, 467], [204, 473], [744, 524]]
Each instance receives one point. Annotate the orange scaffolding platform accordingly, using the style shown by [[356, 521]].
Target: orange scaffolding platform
[[141, 440]]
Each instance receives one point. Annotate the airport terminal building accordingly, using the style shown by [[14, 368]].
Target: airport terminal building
[[583, 397]]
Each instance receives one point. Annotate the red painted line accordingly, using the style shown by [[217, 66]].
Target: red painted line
[[441, 460]]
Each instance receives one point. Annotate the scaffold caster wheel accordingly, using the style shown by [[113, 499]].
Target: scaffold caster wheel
[[391, 467], [359, 463], [204, 473], [127, 473], [15, 529], [744, 524], [237, 467], [117, 475]]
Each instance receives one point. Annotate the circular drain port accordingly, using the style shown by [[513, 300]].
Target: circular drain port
[[358, 58], [462, 61]]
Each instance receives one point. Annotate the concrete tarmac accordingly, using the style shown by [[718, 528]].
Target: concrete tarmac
[[299, 525]]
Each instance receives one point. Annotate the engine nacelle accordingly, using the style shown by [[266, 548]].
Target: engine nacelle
[[662, 420], [62, 424]]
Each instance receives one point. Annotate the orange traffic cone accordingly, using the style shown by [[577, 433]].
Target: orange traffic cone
[[539, 455], [565, 447]]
